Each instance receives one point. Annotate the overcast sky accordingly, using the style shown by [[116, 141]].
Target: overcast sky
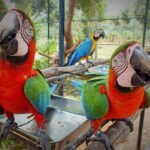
[[114, 7]]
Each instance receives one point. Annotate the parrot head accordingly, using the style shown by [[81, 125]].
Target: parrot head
[[131, 65], [98, 34], [16, 34]]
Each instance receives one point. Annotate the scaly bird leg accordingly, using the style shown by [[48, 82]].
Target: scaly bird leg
[[7, 126], [101, 136], [43, 141], [88, 61]]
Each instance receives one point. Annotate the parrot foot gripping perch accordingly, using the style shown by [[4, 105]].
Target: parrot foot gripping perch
[[43, 141], [8, 125], [90, 62], [101, 136]]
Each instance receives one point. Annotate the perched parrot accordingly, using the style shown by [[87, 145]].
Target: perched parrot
[[86, 48], [122, 92], [22, 89]]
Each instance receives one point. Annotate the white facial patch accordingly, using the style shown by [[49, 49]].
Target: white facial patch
[[22, 46], [24, 35], [122, 67], [97, 34]]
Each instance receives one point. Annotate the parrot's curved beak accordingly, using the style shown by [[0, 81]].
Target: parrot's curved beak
[[99, 34], [9, 27], [140, 61], [102, 34]]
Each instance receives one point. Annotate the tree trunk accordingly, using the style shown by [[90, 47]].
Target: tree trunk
[[68, 25]]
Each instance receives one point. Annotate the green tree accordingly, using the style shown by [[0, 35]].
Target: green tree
[[139, 10], [125, 14], [3, 9], [91, 9]]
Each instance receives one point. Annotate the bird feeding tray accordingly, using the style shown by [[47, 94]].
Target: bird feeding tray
[[64, 120]]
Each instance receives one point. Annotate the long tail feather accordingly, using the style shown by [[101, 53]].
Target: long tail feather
[[53, 88], [78, 85]]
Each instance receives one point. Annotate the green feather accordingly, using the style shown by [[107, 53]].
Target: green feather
[[95, 104], [37, 91], [122, 47]]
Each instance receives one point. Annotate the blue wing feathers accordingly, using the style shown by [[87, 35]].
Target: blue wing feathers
[[37, 92], [81, 51]]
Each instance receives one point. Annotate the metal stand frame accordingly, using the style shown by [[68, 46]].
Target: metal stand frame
[[141, 123]]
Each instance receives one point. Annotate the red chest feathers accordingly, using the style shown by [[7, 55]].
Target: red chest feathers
[[12, 89], [123, 105]]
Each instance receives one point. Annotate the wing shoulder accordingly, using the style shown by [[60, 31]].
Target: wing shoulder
[[95, 104]]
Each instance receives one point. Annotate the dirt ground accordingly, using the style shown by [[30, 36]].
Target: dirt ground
[[131, 141]]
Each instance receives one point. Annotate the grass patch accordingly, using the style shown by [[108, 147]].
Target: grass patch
[[13, 143]]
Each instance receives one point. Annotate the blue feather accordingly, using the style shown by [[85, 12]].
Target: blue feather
[[53, 88], [81, 51], [38, 93], [78, 85]]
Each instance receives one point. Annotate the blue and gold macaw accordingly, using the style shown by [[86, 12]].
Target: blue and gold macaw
[[86, 48]]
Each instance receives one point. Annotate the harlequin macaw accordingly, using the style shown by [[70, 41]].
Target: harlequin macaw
[[86, 48], [22, 90], [122, 92]]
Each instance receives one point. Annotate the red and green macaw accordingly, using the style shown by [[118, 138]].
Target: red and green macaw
[[22, 89], [86, 48], [122, 92]]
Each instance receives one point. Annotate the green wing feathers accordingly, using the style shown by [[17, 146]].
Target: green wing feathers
[[37, 92], [95, 104]]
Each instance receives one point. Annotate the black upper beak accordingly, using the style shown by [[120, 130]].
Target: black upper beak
[[102, 34], [140, 62], [99, 34]]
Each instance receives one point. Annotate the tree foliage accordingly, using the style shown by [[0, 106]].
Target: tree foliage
[[140, 11], [31, 7], [125, 14], [3, 9], [92, 9]]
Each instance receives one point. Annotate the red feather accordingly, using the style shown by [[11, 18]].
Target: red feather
[[13, 77], [121, 105], [96, 123]]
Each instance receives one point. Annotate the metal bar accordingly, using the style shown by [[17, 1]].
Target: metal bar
[[61, 38], [145, 22], [141, 123], [48, 19], [61, 32]]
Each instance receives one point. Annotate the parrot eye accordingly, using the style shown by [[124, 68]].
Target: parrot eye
[[7, 39]]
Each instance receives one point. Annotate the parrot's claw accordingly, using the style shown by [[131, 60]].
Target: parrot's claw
[[80, 63], [43, 141], [88, 61], [101, 136], [7, 126], [127, 121]]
